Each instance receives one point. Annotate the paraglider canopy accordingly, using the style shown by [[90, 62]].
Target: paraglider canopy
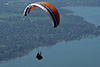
[[48, 8]]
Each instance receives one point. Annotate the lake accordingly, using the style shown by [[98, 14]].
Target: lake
[[78, 53], [83, 53], [90, 14]]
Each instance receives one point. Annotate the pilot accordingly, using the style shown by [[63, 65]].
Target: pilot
[[39, 57]]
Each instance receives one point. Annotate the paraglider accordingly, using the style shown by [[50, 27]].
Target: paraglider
[[48, 8]]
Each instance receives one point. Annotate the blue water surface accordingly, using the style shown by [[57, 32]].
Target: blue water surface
[[90, 14], [83, 53]]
